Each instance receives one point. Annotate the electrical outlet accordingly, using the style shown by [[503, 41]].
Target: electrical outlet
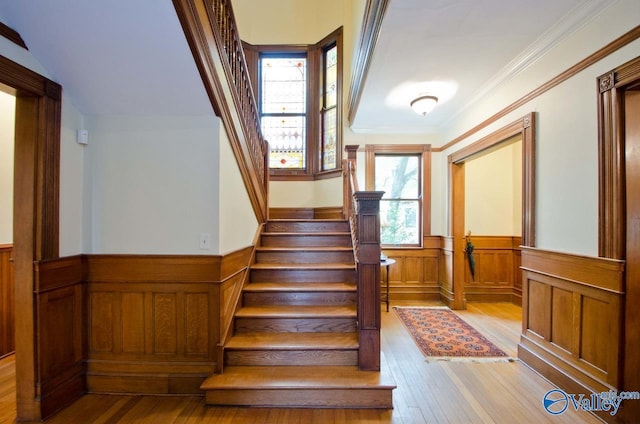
[[205, 241]]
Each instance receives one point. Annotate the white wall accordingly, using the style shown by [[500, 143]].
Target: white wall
[[154, 185], [492, 194], [566, 156], [238, 223], [7, 134]]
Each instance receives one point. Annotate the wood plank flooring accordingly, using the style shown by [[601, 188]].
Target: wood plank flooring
[[436, 392]]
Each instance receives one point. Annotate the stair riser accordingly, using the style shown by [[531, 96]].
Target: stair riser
[[291, 358], [308, 325], [297, 397], [303, 275], [299, 299], [306, 226], [305, 257], [325, 240]]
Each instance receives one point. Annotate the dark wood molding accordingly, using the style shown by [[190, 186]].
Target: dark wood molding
[[12, 35], [36, 233], [597, 56], [611, 158], [526, 128], [370, 29]]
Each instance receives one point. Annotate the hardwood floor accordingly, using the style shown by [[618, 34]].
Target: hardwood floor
[[436, 392]]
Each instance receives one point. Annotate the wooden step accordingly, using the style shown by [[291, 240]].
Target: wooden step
[[293, 319], [311, 239], [345, 311], [307, 225], [301, 387], [319, 254], [299, 294], [260, 349], [306, 325], [302, 273]]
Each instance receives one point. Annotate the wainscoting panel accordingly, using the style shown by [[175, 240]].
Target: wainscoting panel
[[154, 321], [496, 266], [416, 273], [7, 301], [572, 319], [59, 296]]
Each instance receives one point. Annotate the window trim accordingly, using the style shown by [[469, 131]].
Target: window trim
[[315, 80], [424, 150]]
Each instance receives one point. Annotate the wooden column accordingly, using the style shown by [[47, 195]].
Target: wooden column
[[367, 207]]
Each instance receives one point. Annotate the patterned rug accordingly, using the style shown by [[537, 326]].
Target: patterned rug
[[442, 335]]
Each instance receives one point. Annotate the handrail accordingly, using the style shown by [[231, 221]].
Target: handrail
[[213, 37], [362, 208]]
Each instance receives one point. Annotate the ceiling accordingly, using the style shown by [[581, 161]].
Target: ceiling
[[123, 57]]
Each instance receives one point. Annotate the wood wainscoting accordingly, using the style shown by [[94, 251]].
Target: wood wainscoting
[[306, 213], [572, 319], [59, 298], [155, 323], [497, 270], [7, 301], [415, 275]]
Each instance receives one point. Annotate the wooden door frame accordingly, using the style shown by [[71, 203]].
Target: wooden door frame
[[35, 212], [525, 127], [612, 231]]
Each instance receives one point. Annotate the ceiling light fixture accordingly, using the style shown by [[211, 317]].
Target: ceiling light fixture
[[424, 104]]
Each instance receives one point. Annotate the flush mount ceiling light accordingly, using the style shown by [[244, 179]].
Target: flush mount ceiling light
[[424, 104]]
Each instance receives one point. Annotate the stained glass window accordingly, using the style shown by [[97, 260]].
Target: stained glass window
[[299, 99], [283, 102], [329, 109]]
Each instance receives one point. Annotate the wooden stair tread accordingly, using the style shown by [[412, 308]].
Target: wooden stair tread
[[298, 377], [273, 265], [308, 220], [288, 311], [306, 233], [299, 287], [282, 341], [304, 248]]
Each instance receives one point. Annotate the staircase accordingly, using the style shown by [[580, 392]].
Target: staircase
[[295, 341]]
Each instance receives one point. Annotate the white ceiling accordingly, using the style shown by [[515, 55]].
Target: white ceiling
[[130, 57], [456, 50]]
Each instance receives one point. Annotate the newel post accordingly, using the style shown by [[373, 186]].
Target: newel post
[[367, 208]]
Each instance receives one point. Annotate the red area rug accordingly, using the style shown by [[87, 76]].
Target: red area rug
[[442, 335]]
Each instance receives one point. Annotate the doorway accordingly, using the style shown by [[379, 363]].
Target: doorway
[[7, 303], [35, 212], [524, 129]]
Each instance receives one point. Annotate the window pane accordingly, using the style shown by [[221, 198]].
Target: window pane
[[286, 137], [397, 176], [329, 140], [331, 77], [399, 222], [283, 85]]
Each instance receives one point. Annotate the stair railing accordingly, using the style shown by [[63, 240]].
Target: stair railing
[[212, 34], [362, 208]]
